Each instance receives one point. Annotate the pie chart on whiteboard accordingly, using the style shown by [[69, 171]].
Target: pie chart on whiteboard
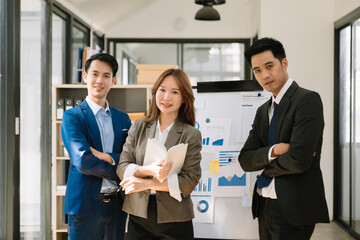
[[202, 206]]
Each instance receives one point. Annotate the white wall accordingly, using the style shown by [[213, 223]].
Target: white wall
[[175, 19], [306, 29], [343, 7]]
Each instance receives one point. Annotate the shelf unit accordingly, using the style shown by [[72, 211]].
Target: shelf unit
[[130, 99]]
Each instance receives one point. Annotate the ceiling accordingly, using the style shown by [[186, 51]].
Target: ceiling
[[165, 18], [105, 13]]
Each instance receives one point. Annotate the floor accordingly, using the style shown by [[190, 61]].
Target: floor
[[330, 231]]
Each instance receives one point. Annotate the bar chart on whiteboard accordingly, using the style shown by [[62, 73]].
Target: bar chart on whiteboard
[[222, 198]]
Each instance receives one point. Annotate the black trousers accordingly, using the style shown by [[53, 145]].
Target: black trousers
[[273, 225], [146, 229]]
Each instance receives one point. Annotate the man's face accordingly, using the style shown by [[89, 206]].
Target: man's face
[[99, 79], [270, 73]]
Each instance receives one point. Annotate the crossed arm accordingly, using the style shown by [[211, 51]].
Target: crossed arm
[[102, 156], [137, 181], [294, 156]]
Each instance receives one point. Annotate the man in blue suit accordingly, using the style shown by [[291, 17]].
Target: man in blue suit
[[93, 134]]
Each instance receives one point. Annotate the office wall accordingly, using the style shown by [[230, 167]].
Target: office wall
[[175, 19], [343, 7]]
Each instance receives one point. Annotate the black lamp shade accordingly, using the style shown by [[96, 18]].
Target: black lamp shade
[[209, 2], [207, 13]]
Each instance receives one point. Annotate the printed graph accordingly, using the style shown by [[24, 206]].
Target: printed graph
[[204, 187], [226, 157], [233, 181]]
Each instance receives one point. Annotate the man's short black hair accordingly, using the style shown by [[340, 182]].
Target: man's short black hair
[[264, 44], [104, 57]]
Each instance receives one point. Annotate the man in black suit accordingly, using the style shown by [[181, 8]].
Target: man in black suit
[[285, 142]]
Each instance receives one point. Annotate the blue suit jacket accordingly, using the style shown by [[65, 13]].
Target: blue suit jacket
[[79, 132]]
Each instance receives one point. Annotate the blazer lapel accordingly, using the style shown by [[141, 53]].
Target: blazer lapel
[[264, 118], [284, 106], [151, 129], [92, 127], [117, 127], [174, 134]]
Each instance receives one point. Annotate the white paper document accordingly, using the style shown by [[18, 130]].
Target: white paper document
[[231, 180], [156, 152], [249, 103], [215, 131]]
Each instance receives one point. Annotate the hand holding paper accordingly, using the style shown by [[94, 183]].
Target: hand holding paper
[[173, 158], [161, 169]]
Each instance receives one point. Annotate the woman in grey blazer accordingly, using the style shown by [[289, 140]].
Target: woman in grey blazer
[[162, 210]]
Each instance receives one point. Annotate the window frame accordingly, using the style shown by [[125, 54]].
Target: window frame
[[9, 112], [346, 21], [180, 44], [71, 21]]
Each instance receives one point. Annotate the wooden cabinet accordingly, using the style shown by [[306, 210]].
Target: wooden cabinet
[[132, 99]]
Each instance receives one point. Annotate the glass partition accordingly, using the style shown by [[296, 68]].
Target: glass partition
[[344, 121], [211, 61], [347, 160], [98, 42], [30, 122], [58, 46], [214, 61], [78, 45], [131, 54], [356, 131]]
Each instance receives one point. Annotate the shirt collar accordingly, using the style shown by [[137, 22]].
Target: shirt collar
[[282, 91], [166, 130], [95, 107]]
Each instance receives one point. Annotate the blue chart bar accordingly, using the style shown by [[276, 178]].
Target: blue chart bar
[[203, 187], [226, 157], [206, 141]]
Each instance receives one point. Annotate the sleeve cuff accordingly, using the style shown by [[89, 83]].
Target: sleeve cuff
[[130, 170], [269, 154], [173, 184]]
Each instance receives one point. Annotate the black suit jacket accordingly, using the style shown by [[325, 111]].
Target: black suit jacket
[[299, 184]]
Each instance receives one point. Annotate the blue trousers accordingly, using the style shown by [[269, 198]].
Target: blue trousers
[[106, 223]]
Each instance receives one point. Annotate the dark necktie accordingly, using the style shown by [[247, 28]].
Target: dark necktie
[[264, 181]]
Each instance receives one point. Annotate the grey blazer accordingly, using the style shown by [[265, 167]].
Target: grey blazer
[[169, 209]]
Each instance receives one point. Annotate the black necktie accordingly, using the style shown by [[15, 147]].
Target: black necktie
[[264, 181]]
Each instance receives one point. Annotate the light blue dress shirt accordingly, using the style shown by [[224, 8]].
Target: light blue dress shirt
[[105, 124]]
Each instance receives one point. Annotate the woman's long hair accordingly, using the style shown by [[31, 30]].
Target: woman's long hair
[[187, 108]]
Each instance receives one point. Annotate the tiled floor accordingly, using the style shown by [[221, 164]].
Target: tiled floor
[[330, 231]]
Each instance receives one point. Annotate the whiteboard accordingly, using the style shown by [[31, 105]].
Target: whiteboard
[[230, 219]]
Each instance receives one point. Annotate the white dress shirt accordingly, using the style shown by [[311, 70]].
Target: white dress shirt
[[104, 122], [269, 191]]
